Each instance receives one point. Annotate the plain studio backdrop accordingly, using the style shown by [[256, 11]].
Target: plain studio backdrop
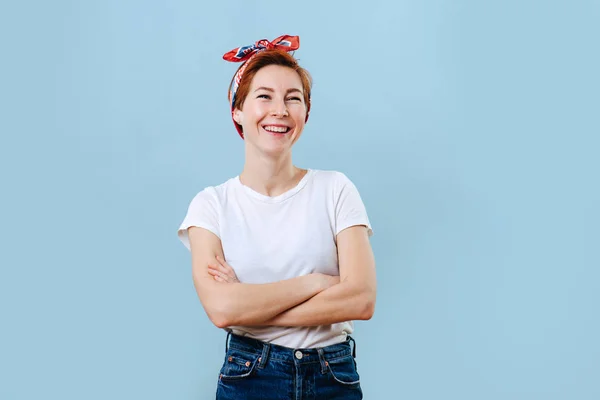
[[470, 128]]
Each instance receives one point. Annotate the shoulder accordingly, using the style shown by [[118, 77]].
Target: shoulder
[[333, 179], [329, 175], [214, 194], [347, 208], [204, 211]]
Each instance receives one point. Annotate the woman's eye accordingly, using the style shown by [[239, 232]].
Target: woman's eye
[[295, 98], [263, 96]]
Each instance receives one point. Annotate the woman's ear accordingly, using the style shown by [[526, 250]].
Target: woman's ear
[[237, 116]]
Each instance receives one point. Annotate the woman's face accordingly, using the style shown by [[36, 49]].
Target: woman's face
[[274, 112]]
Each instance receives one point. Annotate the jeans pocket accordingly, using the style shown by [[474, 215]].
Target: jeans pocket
[[343, 370], [238, 365]]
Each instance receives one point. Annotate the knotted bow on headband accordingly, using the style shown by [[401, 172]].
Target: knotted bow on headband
[[285, 43], [245, 53]]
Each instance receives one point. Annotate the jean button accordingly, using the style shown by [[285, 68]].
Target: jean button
[[298, 355]]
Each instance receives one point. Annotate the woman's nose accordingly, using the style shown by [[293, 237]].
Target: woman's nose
[[279, 109]]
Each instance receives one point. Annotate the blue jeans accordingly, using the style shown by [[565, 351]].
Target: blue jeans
[[257, 370]]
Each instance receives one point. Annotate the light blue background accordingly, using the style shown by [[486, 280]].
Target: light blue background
[[470, 128]]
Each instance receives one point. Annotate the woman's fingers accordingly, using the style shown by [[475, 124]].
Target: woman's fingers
[[224, 264], [222, 271], [227, 269], [221, 268], [216, 273], [226, 272], [221, 274]]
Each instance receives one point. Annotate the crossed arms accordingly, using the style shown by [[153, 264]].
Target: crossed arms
[[309, 300]]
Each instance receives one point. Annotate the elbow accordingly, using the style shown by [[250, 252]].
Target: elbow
[[219, 318], [219, 315], [366, 307], [220, 322], [216, 304]]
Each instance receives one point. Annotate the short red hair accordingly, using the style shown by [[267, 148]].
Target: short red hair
[[261, 60]]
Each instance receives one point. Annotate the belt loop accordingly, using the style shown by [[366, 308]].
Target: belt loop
[[351, 339], [227, 341], [264, 355], [322, 361]]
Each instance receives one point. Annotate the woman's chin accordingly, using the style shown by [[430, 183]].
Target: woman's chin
[[273, 146], [274, 149]]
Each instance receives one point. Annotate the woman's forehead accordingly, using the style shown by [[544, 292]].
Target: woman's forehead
[[277, 77]]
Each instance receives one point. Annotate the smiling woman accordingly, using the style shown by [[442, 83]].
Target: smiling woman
[[274, 108], [243, 79], [281, 257]]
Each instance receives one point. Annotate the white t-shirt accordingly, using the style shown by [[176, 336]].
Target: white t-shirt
[[268, 239]]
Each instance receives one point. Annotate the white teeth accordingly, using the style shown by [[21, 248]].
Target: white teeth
[[277, 129]]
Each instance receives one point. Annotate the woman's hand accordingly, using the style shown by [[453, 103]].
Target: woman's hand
[[222, 272]]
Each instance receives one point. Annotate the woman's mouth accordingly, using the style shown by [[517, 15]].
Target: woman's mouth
[[276, 129]]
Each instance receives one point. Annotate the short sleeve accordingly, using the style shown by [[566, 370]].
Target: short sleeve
[[350, 209], [202, 212]]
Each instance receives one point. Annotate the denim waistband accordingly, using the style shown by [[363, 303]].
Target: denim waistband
[[288, 354]]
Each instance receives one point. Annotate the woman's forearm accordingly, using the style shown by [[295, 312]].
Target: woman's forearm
[[345, 301], [255, 304]]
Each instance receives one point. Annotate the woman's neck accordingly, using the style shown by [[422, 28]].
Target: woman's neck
[[271, 177]]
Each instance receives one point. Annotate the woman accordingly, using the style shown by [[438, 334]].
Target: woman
[[281, 255]]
